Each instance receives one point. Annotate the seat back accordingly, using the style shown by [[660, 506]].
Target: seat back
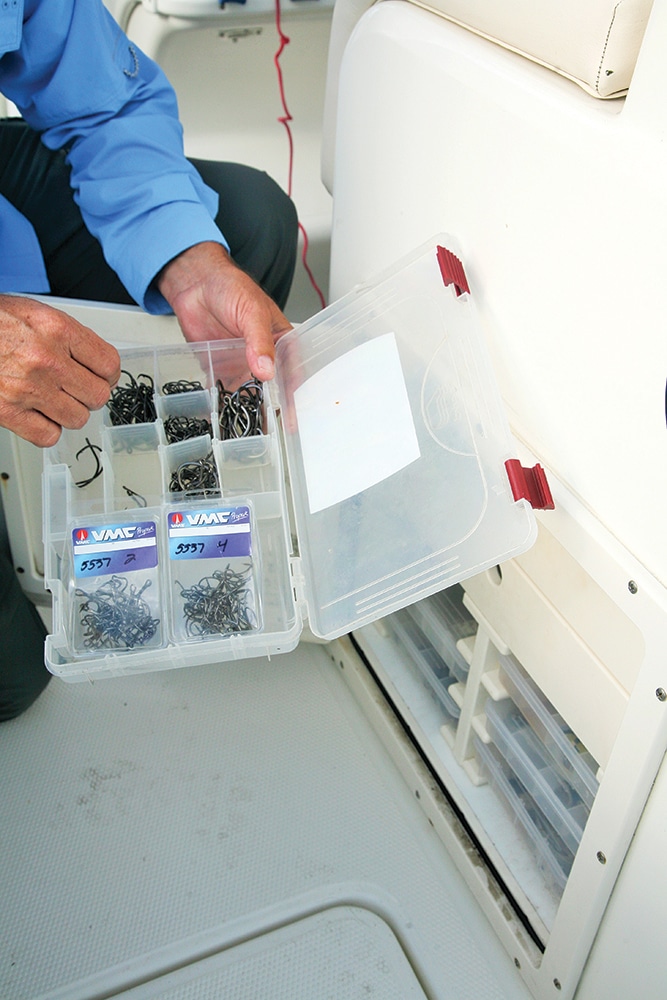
[[595, 44]]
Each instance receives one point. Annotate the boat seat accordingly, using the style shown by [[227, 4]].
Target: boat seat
[[594, 44]]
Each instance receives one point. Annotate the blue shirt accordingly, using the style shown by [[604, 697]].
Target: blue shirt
[[79, 81]]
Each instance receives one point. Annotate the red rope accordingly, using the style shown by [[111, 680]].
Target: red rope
[[285, 120]]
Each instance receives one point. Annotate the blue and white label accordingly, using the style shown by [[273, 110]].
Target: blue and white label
[[114, 548], [209, 534]]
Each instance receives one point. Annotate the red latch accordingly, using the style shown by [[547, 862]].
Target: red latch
[[529, 484], [452, 271]]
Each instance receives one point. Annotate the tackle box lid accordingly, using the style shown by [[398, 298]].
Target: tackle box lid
[[399, 453]]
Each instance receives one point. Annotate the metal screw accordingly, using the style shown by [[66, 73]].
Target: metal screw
[[632, 587], [517, 963], [661, 694], [602, 858], [557, 984]]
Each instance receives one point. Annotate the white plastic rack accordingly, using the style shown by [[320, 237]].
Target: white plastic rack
[[508, 758]]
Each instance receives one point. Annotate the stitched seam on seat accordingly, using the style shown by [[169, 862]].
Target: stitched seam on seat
[[589, 88], [604, 48]]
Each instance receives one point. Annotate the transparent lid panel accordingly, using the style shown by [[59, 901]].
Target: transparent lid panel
[[396, 440]]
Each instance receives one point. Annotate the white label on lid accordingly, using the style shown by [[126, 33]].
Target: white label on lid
[[355, 423]]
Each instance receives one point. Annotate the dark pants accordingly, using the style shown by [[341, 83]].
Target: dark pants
[[23, 675], [256, 216], [260, 224]]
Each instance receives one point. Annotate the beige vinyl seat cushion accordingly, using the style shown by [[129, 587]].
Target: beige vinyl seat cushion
[[593, 42]]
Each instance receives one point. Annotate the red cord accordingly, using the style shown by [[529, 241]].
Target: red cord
[[285, 119]]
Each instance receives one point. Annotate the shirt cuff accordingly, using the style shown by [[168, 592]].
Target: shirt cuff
[[166, 233]]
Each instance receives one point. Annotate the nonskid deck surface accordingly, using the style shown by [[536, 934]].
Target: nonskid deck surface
[[150, 822]]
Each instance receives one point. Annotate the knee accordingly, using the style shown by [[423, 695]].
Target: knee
[[281, 206], [253, 208], [265, 242], [271, 215], [259, 222]]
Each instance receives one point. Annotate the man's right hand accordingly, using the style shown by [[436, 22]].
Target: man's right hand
[[53, 370]]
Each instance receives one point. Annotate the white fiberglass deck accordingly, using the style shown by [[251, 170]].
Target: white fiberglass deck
[[226, 815]]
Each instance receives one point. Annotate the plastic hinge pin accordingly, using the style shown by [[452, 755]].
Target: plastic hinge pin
[[529, 484]]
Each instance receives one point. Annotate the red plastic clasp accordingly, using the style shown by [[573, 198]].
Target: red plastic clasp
[[452, 271], [529, 484]]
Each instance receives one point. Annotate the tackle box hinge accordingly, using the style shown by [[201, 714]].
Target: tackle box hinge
[[452, 271], [529, 484]]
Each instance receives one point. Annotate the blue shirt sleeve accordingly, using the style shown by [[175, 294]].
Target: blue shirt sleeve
[[78, 80]]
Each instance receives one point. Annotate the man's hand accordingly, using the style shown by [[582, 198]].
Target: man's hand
[[53, 370], [213, 299]]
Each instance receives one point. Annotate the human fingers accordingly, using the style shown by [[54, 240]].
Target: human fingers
[[260, 337], [98, 366], [42, 386], [32, 406], [43, 349], [30, 424], [81, 385]]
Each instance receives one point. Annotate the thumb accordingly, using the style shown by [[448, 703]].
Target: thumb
[[260, 354], [260, 338]]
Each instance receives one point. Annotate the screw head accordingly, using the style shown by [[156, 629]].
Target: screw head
[[557, 984], [632, 587], [602, 857], [661, 694]]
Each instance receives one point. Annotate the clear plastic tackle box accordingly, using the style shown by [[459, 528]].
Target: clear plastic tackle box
[[380, 470], [434, 670], [532, 763], [445, 623], [554, 857], [569, 757]]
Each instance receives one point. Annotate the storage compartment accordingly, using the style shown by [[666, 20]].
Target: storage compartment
[[114, 598], [524, 782]]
